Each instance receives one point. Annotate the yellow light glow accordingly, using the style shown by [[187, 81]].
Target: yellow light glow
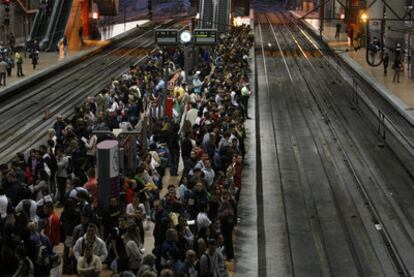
[[237, 21], [364, 17], [342, 16], [95, 15]]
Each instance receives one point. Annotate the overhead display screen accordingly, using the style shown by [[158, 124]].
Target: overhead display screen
[[205, 36], [166, 37]]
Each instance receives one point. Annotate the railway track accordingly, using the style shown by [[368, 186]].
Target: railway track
[[336, 213], [23, 125]]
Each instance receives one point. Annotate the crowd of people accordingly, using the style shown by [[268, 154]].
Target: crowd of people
[[201, 141], [11, 58], [7, 59]]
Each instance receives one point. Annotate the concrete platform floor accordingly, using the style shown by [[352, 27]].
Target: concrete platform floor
[[403, 90], [46, 59]]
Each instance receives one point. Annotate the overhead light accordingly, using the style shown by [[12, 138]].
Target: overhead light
[[342, 16], [237, 21], [95, 15], [364, 17]]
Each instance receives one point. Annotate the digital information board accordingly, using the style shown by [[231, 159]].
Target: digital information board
[[205, 36], [166, 37]]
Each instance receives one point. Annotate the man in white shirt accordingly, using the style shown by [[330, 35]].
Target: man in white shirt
[[90, 238], [75, 191], [29, 207], [4, 202], [89, 264], [136, 212], [209, 173], [244, 99], [202, 219]]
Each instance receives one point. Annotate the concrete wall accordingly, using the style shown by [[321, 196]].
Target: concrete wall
[[20, 23]]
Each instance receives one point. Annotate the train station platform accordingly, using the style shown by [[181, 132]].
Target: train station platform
[[46, 60], [49, 61], [399, 94], [83, 81]]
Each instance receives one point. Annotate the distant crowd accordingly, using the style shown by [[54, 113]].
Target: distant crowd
[[199, 139]]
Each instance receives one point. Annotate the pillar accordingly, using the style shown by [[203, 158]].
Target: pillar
[[393, 27], [108, 173], [376, 11], [329, 11], [86, 9]]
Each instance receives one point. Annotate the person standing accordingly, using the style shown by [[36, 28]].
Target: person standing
[[19, 62], [98, 245], [350, 31], [65, 46], [52, 231], [26, 267], [89, 264], [338, 31], [10, 64], [52, 228], [245, 94], [358, 40], [92, 186], [136, 212], [397, 51], [227, 222], [61, 173], [12, 41], [397, 69], [3, 72], [90, 144], [133, 247], [373, 49], [81, 34], [68, 221], [61, 49], [212, 261], [34, 55], [385, 63]]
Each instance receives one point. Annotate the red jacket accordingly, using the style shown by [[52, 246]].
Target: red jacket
[[92, 186], [237, 167], [52, 229]]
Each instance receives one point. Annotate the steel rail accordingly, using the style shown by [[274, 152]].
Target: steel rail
[[66, 103], [393, 251], [291, 265], [339, 206]]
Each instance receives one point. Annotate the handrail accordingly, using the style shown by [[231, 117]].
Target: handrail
[[55, 25], [27, 11], [36, 22], [53, 18]]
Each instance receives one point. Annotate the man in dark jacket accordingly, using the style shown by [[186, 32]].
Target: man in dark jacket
[[12, 188], [196, 199], [59, 126], [174, 147], [186, 147], [162, 222]]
